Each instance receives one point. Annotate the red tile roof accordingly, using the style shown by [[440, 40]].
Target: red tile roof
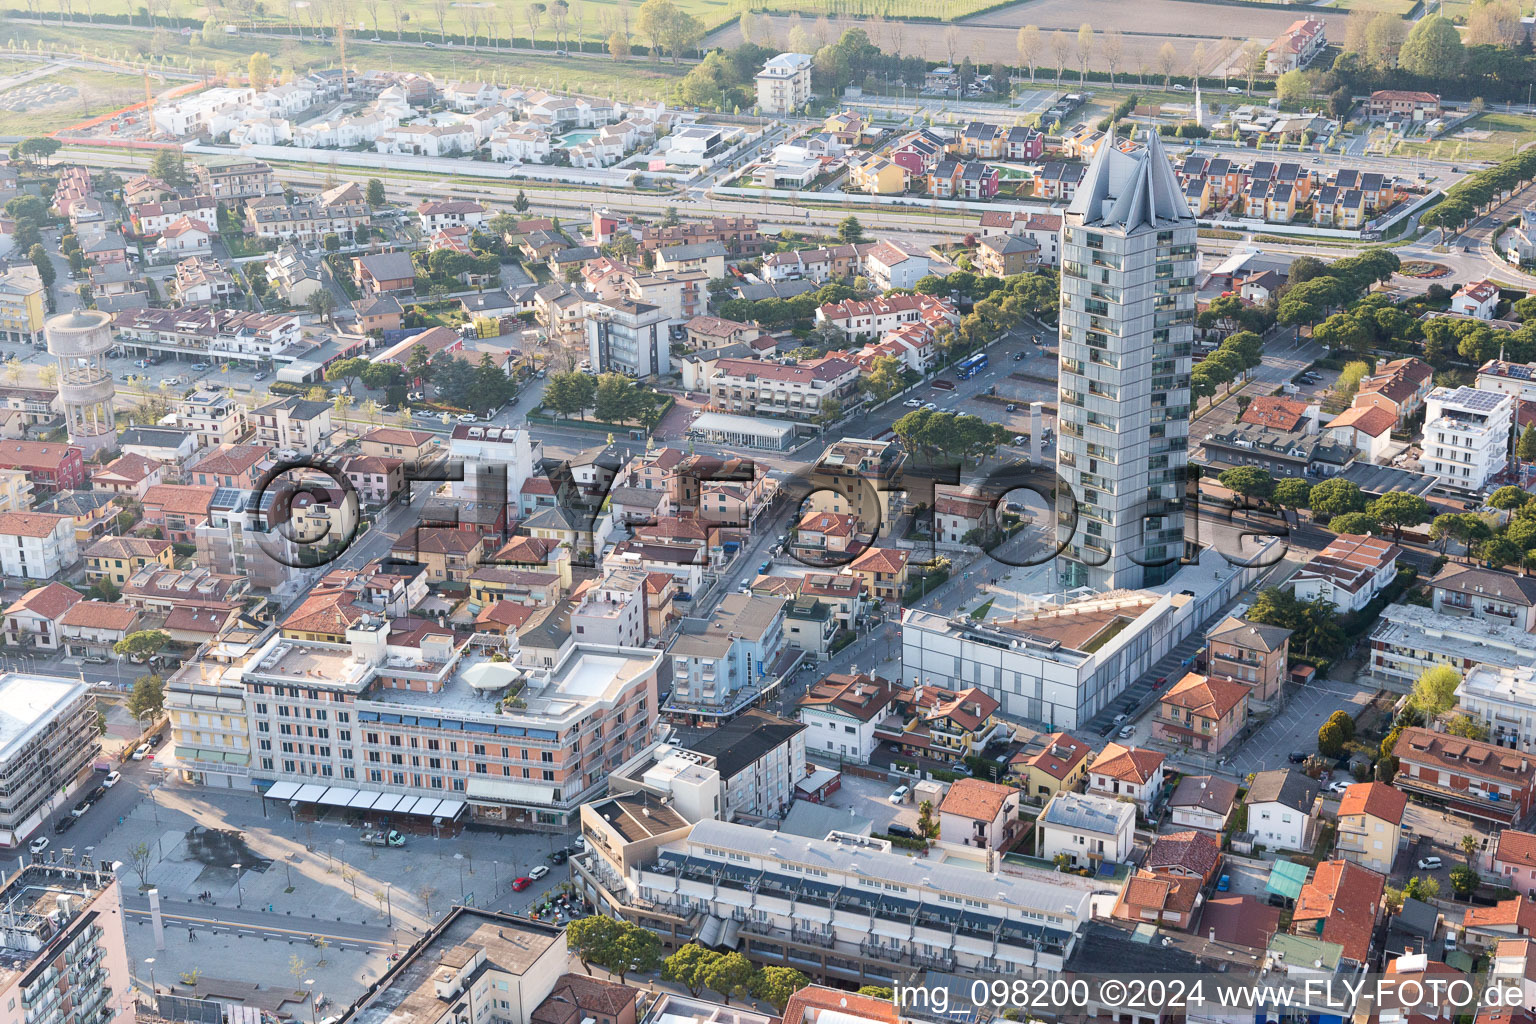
[[1128, 764], [100, 615], [1514, 847], [1377, 799], [976, 799], [1206, 696], [31, 524], [1344, 898], [1060, 758], [50, 601], [1518, 913]]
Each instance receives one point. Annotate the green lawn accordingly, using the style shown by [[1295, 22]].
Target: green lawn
[[1505, 133]]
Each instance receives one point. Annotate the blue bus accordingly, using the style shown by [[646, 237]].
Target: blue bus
[[971, 365]]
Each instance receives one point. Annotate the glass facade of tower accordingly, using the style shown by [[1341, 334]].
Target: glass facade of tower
[[1127, 329]]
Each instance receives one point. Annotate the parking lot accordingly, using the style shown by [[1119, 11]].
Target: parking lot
[[1295, 727], [869, 798]]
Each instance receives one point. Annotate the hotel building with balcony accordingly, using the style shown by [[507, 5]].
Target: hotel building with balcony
[[844, 908]]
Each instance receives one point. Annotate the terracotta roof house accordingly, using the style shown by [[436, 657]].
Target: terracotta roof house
[[118, 558], [1514, 856], [1158, 898], [178, 509], [1056, 762], [1132, 772], [1508, 919], [979, 813], [1470, 777], [32, 620], [1370, 825], [884, 571], [91, 628], [1349, 572], [576, 999], [1276, 412], [1340, 905], [1201, 712]]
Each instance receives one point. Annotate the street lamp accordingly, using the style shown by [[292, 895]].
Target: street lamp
[[239, 892], [151, 962], [389, 903], [460, 858], [309, 983]]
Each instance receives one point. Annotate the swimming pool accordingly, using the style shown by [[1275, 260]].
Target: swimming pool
[[575, 138]]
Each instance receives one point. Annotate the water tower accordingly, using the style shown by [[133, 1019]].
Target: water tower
[[79, 341]]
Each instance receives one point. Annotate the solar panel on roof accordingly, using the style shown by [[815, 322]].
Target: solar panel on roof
[[1472, 398]]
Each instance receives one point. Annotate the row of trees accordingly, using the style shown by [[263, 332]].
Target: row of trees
[[624, 948], [1473, 195], [945, 433], [612, 397], [1233, 358], [1338, 502]]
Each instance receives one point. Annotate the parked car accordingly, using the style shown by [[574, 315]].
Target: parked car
[[559, 857], [112, 779], [1127, 731], [1296, 757], [260, 375], [199, 366], [1430, 863], [896, 828], [912, 403], [141, 751], [64, 824], [519, 884], [930, 406], [467, 417], [1224, 883], [80, 808], [539, 872], [38, 845], [1339, 787], [899, 795], [762, 570]]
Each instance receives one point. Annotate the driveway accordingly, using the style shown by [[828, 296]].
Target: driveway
[[1294, 727]]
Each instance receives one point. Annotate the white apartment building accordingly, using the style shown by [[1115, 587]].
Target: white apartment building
[[613, 612], [752, 388], [840, 714], [1466, 436], [64, 950], [1503, 698], [213, 416], [1036, 677], [37, 545], [216, 334], [1087, 830], [760, 757], [49, 739], [628, 337], [784, 84], [724, 665], [379, 719], [847, 903], [1128, 268]]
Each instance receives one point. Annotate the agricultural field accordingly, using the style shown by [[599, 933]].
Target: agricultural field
[[623, 80], [1159, 17], [70, 95], [1488, 138], [1397, 7]]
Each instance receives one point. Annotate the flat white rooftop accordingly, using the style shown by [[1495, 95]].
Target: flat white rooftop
[[28, 704]]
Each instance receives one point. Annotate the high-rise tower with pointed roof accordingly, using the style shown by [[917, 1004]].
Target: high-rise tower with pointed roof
[[1128, 267]]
